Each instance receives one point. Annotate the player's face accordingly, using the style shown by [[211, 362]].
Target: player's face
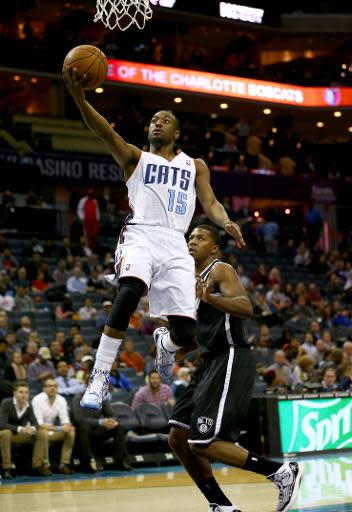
[[163, 128], [201, 245]]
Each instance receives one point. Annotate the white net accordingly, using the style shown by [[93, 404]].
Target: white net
[[123, 13]]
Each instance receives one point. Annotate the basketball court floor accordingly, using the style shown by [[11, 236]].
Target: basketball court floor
[[326, 487]]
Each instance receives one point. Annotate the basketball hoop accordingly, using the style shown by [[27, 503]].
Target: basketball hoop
[[123, 13]]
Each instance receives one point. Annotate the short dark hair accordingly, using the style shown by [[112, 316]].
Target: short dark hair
[[20, 384], [151, 372], [214, 233]]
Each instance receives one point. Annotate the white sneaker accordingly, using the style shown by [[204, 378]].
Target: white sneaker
[[165, 360], [288, 480], [97, 389], [222, 508]]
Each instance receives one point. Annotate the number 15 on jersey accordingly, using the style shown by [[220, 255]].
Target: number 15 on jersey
[[177, 204]]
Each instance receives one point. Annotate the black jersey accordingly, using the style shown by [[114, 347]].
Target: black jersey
[[216, 330]]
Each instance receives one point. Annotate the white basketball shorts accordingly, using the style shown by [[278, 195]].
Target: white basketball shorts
[[159, 257]]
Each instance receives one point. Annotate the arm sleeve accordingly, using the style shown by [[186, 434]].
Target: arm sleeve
[[63, 412], [4, 417], [138, 399], [38, 411]]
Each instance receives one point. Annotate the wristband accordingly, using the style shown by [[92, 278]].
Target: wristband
[[59, 428], [100, 421]]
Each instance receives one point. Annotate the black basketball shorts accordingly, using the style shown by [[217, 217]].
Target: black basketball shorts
[[217, 399]]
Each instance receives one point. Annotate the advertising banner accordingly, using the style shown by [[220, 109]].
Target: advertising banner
[[227, 86], [315, 425]]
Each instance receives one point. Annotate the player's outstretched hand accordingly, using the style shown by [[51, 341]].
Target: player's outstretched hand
[[74, 83], [234, 230]]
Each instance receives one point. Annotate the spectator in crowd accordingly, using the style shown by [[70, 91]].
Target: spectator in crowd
[[260, 276], [7, 302], [93, 427], [16, 370], [30, 352], [51, 412], [77, 283], [149, 360], [302, 372], [61, 274], [42, 368], [270, 231], [11, 343], [87, 312], [117, 379], [65, 248], [329, 381], [22, 334], [88, 212], [274, 277], [39, 284], [9, 263], [56, 352], [23, 301], [4, 324], [64, 311], [4, 360], [85, 368], [67, 386], [315, 330], [309, 347], [282, 369], [131, 358], [68, 345], [19, 425], [154, 392], [22, 279], [302, 257], [103, 314], [179, 385], [322, 351], [313, 223]]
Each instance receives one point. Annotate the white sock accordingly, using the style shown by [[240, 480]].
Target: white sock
[[168, 344], [106, 353]]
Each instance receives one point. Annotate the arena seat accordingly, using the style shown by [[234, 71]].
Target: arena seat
[[151, 418]]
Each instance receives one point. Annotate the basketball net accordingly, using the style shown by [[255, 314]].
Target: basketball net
[[123, 13]]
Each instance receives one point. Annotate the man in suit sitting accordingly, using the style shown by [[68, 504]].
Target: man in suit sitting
[[18, 425], [94, 426]]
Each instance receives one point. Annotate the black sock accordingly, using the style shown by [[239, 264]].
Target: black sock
[[213, 493], [261, 465]]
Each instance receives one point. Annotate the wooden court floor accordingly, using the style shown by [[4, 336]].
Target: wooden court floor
[[327, 487]]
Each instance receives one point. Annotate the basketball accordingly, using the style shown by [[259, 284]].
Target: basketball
[[88, 60]]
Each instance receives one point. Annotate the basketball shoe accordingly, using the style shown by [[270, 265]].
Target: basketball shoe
[[288, 480], [97, 389], [165, 360], [222, 508]]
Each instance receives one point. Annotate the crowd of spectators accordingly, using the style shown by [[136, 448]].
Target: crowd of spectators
[[54, 301], [167, 43]]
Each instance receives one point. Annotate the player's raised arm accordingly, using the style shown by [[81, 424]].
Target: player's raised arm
[[211, 206], [126, 155]]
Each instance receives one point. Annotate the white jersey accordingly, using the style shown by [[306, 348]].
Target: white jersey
[[162, 193]]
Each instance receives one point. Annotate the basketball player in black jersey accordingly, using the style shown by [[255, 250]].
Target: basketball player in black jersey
[[206, 419]]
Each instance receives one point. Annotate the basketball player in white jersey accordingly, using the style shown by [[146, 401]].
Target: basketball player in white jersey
[[152, 252]]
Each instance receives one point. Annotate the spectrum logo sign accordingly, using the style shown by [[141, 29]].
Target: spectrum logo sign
[[241, 12], [163, 3], [315, 425]]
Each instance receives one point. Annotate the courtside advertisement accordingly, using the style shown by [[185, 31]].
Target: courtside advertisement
[[315, 425], [227, 86]]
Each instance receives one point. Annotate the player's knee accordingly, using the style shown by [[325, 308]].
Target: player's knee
[[130, 291], [178, 439], [182, 330]]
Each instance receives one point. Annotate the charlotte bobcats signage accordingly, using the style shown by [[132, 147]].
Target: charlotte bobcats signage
[[315, 425], [226, 86]]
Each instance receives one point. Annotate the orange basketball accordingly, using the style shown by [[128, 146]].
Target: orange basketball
[[88, 60]]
